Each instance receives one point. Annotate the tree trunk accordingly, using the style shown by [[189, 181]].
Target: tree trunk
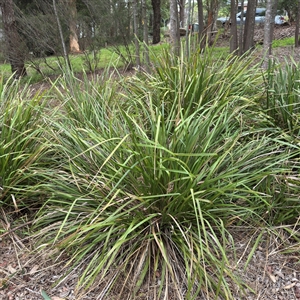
[[249, 26], [200, 20], [187, 40], [156, 21], [66, 57], [233, 27], [74, 45], [181, 13], [241, 30], [135, 31], [174, 27], [297, 26], [267, 33], [274, 13], [13, 44], [211, 17], [145, 31]]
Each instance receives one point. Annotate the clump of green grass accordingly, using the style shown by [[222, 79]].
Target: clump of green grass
[[283, 100], [290, 41], [149, 173], [21, 142]]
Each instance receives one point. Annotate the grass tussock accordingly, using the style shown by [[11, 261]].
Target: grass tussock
[[148, 173]]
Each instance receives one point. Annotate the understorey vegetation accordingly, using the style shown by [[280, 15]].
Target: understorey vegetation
[[144, 177]]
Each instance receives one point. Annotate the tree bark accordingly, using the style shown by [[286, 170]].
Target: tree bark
[[241, 30], [145, 31], [233, 28], [74, 45], [187, 40], [156, 21], [135, 31], [267, 33], [66, 56], [249, 26], [13, 43], [297, 26], [181, 13], [200, 20], [212, 10], [174, 27]]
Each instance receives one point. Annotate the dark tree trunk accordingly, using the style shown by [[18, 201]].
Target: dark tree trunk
[[135, 31], [297, 26], [249, 26], [14, 48], [156, 21], [241, 30], [200, 19], [233, 28], [145, 34], [181, 13]]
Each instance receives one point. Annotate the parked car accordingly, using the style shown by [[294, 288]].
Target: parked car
[[260, 16]]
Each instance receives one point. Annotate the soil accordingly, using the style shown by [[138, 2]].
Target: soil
[[273, 272]]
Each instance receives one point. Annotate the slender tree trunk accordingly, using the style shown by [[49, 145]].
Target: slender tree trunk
[[156, 21], [233, 28], [297, 26], [135, 31], [211, 17], [74, 45], [13, 43], [66, 57], [187, 40], [174, 27], [181, 13], [249, 26], [241, 30], [145, 32], [274, 13], [271, 9], [200, 20], [267, 33]]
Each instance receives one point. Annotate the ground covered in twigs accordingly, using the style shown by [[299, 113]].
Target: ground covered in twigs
[[270, 269]]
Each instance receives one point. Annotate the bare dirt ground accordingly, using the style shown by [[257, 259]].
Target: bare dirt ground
[[280, 32], [272, 273]]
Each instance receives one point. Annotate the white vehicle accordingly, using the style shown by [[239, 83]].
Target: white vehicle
[[260, 16]]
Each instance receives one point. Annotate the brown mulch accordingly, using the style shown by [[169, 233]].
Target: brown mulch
[[271, 271]]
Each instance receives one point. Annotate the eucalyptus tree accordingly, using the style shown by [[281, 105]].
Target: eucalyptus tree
[[271, 8], [297, 25], [233, 27], [248, 42], [267, 33], [74, 44], [145, 33], [135, 30], [200, 19], [156, 8], [212, 12], [174, 27], [14, 45]]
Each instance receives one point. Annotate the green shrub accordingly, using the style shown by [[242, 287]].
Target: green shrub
[[21, 142], [150, 173]]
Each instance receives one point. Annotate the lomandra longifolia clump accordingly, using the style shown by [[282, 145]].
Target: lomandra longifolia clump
[[147, 185], [22, 148]]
